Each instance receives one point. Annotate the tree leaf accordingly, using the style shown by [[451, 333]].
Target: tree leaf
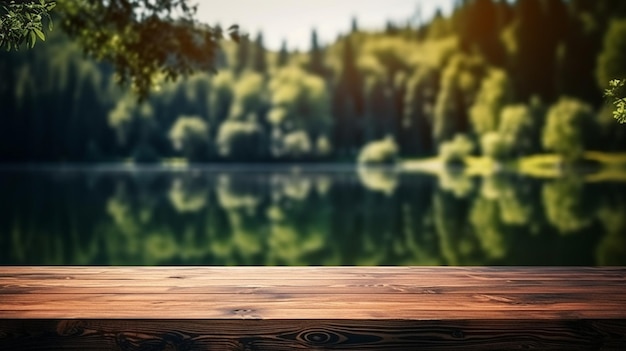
[[33, 38], [40, 34]]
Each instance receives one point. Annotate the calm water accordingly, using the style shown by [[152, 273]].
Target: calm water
[[274, 217]]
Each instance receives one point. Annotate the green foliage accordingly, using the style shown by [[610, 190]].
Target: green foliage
[[565, 206], [259, 60], [610, 70], [379, 152], [459, 82], [421, 86], [517, 129], [283, 55], [512, 196], [455, 151], [613, 246], [242, 140], [531, 47], [221, 96], [299, 218], [617, 93], [494, 94], [22, 22], [127, 114], [299, 101], [567, 122], [297, 144], [439, 28], [190, 134], [380, 180], [613, 55], [146, 41], [187, 198], [485, 218], [316, 57], [495, 145], [249, 95]]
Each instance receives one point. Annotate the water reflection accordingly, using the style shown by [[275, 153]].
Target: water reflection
[[366, 217]]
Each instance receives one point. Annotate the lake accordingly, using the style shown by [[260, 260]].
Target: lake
[[228, 215]]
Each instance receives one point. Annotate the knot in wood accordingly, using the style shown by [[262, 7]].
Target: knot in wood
[[70, 327], [320, 337]]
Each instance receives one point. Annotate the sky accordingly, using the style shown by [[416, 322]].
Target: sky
[[293, 20]]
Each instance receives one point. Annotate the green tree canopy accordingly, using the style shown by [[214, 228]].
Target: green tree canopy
[[241, 140], [611, 71], [299, 101], [611, 59], [494, 93], [22, 22], [147, 41], [566, 124], [190, 134], [379, 152]]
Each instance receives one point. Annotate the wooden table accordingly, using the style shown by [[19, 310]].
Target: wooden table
[[290, 308]]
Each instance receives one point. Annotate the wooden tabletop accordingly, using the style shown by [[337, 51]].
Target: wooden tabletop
[[304, 308], [366, 293]]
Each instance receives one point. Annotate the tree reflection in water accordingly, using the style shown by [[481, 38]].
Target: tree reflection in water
[[368, 217]]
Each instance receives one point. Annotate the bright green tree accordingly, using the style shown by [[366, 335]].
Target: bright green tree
[[455, 150], [617, 93], [517, 129], [379, 152], [459, 82], [567, 123], [241, 140], [611, 69], [297, 144], [611, 60], [299, 100], [190, 135], [249, 96], [495, 93]]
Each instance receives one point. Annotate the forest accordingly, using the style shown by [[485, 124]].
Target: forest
[[498, 79]]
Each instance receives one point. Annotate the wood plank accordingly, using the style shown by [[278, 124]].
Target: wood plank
[[312, 292], [324, 287], [304, 306], [284, 335], [288, 308], [501, 274]]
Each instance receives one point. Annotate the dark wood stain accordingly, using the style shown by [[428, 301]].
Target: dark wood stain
[[319, 308]]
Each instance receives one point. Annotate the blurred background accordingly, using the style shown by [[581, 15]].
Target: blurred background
[[333, 133]]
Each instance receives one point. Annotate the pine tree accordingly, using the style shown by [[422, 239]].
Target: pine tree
[[316, 57], [481, 31], [259, 62], [535, 61], [348, 102], [243, 55], [283, 55]]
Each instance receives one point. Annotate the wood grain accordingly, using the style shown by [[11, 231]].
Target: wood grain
[[288, 308]]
